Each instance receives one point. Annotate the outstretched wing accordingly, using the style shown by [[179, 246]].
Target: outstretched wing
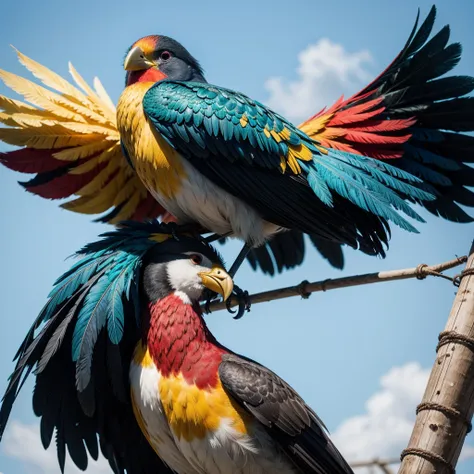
[[71, 142], [63, 121], [259, 157], [82, 344], [297, 429], [413, 118]]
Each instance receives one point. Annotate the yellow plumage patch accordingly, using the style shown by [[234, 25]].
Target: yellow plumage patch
[[157, 164], [193, 412], [244, 121], [141, 356]]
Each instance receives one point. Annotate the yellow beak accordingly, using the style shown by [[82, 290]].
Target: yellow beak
[[137, 61], [218, 280]]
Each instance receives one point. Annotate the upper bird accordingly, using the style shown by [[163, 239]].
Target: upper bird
[[215, 157], [122, 352]]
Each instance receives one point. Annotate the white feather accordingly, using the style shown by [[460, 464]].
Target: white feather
[[200, 200]]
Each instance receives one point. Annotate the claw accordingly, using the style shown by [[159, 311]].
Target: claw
[[208, 296], [244, 302]]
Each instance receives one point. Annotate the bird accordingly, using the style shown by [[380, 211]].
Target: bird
[[123, 360], [217, 158]]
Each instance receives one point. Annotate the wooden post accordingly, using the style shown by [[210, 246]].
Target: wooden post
[[444, 416]]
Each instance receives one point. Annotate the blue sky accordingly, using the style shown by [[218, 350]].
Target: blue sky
[[336, 348]]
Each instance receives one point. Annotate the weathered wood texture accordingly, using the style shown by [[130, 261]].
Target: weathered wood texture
[[447, 407]]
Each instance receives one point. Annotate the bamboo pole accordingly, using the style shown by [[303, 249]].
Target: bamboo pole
[[305, 288], [444, 416]]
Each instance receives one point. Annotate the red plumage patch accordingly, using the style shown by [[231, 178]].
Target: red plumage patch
[[179, 342], [30, 160], [148, 75], [60, 186]]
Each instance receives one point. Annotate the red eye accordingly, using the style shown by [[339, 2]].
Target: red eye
[[165, 55], [196, 259]]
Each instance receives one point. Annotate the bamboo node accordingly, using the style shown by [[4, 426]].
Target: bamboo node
[[447, 337], [466, 272], [448, 411], [429, 456]]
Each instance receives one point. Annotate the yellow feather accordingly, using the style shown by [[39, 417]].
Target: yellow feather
[[8, 120], [87, 128], [102, 93], [275, 136], [314, 127], [85, 167], [39, 96], [98, 182], [126, 192], [51, 79], [26, 120], [45, 137], [96, 203], [100, 106], [82, 151], [11, 106], [129, 207], [293, 162]]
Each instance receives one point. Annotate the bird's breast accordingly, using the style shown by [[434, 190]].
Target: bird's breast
[[199, 430], [157, 164]]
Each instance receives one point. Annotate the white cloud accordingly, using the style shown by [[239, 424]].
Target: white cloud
[[23, 442], [384, 429], [325, 72]]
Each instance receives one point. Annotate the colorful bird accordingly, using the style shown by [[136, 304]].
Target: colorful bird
[[121, 351], [215, 157]]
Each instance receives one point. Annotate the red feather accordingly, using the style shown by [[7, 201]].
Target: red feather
[[30, 160], [64, 185]]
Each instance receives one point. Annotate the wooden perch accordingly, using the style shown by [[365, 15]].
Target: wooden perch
[[305, 288], [444, 416]]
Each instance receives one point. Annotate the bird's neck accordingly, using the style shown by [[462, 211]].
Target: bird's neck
[[149, 75], [179, 341]]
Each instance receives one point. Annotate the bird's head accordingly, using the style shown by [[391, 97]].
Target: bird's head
[[185, 267], [154, 58]]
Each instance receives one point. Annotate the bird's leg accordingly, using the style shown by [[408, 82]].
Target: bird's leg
[[242, 296], [214, 237], [244, 302], [239, 260], [192, 228]]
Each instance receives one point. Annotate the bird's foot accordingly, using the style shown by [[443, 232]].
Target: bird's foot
[[179, 229], [209, 296], [243, 300]]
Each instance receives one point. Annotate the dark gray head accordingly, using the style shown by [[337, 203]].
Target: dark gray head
[[154, 58], [185, 267]]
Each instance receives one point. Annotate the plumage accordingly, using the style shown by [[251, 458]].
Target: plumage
[[411, 117], [123, 361]]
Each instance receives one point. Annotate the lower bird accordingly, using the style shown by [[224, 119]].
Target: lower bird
[[217, 158], [123, 356]]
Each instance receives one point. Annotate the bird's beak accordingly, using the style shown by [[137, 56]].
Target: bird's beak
[[137, 61], [218, 280]]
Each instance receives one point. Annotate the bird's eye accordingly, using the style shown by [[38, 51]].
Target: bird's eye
[[165, 55], [196, 259]]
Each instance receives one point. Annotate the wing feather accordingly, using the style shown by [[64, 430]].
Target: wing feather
[[291, 423], [71, 142]]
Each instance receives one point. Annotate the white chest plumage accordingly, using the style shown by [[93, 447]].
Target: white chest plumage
[[200, 200], [222, 451]]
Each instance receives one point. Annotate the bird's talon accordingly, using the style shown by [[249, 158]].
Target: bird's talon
[[243, 300]]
